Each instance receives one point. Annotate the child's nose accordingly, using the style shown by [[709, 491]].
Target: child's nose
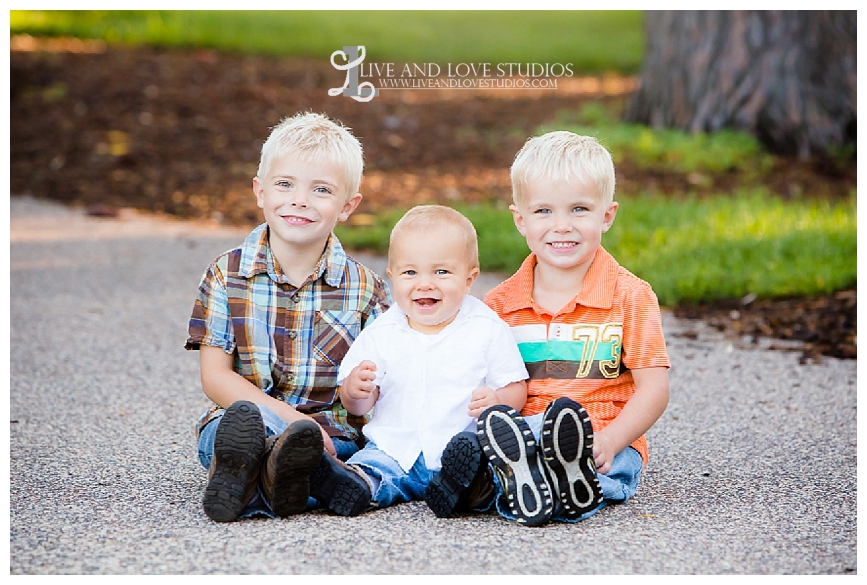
[[562, 224], [298, 197]]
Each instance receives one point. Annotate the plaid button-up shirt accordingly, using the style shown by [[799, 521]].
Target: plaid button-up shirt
[[288, 341]]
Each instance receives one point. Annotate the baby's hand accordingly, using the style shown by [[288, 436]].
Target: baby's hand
[[482, 399], [603, 454], [359, 383]]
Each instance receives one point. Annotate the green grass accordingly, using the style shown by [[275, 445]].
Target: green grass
[[665, 149], [692, 249], [593, 41]]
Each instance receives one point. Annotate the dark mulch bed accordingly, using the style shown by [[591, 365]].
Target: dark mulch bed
[[826, 325], [180, 131]]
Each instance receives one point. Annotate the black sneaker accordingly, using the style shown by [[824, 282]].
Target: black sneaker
[[238, 447], [509, 445], [340, 487], [567, 445], [462, 460], [287, 468]]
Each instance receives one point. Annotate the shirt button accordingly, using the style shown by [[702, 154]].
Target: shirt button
[[296, 298], [292, 335]]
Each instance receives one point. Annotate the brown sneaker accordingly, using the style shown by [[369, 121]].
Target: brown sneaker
[[286, 469], [238, 446]]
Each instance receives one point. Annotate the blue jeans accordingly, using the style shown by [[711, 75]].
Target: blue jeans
[[618, 485], [391, 484], [274, 425]]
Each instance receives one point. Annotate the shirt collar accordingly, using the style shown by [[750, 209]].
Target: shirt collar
[[256, 258], [597, 291]]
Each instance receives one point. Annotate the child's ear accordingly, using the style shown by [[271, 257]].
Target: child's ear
[[259, 192], [471, 278], [350, 206], [609, 216], [518, 218]]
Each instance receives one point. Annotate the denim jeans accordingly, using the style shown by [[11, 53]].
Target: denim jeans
[[391, 484], [274, 425], [618, 485]]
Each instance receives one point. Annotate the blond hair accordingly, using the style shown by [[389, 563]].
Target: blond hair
[[315, 137], [428, 218], [561, 157]]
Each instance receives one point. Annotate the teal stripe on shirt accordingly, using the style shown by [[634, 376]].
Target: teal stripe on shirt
[[572, 351]]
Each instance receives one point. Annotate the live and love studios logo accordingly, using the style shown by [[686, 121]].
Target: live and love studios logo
[[428, 76]]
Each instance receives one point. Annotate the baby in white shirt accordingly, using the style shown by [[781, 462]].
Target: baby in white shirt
[[430, 365]]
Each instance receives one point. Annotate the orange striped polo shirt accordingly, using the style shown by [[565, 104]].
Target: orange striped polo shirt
[[587, 350]]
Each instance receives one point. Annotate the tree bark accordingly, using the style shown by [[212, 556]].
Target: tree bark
[[787, 77]]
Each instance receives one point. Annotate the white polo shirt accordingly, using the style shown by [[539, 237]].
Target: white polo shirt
[[425, 381]]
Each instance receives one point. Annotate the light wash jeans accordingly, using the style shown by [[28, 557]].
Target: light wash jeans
[[274, 425], [391, 484], [618, 485]]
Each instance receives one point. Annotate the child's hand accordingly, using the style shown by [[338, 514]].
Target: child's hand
[[482, 399], [359, 383], [327, 443], [603, 452]]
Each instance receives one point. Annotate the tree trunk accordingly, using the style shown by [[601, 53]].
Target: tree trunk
[[787, 77]]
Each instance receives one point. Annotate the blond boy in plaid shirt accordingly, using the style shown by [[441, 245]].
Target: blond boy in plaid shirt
[[272, 321]]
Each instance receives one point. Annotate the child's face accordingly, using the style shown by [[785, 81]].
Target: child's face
[[303, 200], [430, 275], [563, 222]]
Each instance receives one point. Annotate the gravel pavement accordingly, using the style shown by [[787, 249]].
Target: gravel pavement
[[752, 467]]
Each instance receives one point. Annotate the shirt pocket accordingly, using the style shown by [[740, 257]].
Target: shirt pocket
[[333, 333]]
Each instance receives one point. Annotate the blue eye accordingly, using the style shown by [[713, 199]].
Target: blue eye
[[410, 272], [442, 271]]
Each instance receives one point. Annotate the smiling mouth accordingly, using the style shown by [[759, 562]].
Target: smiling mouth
[[426, 302], [562, 245], [296, 220]]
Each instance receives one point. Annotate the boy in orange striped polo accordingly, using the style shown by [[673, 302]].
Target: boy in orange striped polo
[[590, 333]]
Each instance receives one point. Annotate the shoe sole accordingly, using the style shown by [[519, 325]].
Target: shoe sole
[[461, 460], [509, 445], [567, 445], [338, 488], [298, 456], [238, 446]]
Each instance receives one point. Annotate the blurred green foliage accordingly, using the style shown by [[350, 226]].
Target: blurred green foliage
[[666, 149], [689, 248], [695, 249], [594, 41]]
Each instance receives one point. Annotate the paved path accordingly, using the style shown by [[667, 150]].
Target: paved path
[[753, 465]]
